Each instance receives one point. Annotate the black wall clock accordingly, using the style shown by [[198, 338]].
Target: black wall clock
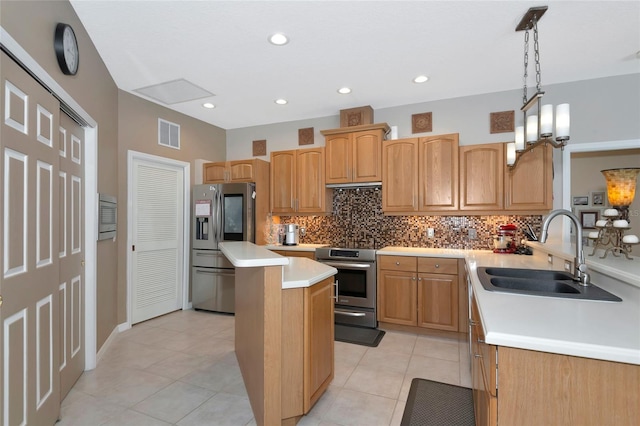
[[66, 48]]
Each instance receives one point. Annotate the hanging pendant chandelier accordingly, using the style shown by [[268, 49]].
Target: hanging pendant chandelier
[[537, 118]]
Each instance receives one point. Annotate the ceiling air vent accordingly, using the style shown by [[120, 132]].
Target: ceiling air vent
[[168, 134]]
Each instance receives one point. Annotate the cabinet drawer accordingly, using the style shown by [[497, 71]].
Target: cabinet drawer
[[397, 263], [438, 265]]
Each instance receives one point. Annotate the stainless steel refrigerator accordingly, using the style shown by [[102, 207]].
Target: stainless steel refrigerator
[[221, 212]]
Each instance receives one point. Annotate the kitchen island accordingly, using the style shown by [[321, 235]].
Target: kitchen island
[[284, 330], [547, 360]]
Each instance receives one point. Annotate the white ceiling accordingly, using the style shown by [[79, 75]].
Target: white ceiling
[[376, 48]]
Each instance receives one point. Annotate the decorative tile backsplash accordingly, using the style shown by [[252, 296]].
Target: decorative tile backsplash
[[357, 221]]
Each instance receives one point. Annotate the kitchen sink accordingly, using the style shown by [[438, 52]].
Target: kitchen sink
[[540, 282], [538, 274]]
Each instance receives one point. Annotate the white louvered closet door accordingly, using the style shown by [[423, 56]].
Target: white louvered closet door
[[157, 220]]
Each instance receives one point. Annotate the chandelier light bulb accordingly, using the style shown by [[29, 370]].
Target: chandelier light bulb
[[546, 121], [532, 128], [511, 153], [563, 122], [519, 144]]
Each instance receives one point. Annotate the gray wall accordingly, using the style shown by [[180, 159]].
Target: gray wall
[[601, 109]]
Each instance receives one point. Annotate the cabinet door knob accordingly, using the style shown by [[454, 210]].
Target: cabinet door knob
[[437, 265], [398, 263]]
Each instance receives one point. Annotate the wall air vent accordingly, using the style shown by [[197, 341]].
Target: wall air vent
[[168, 134]]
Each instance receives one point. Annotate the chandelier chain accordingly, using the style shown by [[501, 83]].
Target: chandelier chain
[[526, 65], [536, 49]]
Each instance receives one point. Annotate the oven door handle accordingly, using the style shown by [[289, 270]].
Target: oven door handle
[[349, 314], [347, 265]]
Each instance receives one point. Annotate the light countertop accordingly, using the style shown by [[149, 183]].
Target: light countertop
[[592, 329], [243, 254], [423, 252], [297, 272], [303, 272]]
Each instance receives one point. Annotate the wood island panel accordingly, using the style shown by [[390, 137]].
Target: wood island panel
[[258, 339], [538, 388], [292, 352], [284, 343]]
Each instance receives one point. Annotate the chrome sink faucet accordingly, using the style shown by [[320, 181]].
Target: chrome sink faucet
[[580, 268]]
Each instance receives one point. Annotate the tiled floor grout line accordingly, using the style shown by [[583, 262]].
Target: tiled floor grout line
[[210, 361]]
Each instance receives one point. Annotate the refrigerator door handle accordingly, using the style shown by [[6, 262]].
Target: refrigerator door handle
[[220, 223], [214, 216]]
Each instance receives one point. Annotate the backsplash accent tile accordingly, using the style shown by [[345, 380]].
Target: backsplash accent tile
[[357, 221]]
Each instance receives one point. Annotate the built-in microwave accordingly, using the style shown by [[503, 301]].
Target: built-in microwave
[[107, 216]]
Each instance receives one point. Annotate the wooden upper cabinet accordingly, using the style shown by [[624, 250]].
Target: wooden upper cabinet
[[283, 181], [400, 175], [354, 154], [482, 177], [367, 156], [311, 189], [298, 183], [338, 158], [438, 173], [214, 172], [529, 186], [230, 171]]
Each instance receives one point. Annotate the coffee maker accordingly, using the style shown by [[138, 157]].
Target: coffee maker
[[291, 235]]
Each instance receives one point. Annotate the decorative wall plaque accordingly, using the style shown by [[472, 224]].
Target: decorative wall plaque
[[356, 116], [502, 122], [305, 136], [259, 147], [421, 123]]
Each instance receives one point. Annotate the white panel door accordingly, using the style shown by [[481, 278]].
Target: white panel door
[[29, 317], [157, 239], [71, 252]]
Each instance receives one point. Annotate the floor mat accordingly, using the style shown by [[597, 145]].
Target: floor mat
[[433, 403], [358, 335]]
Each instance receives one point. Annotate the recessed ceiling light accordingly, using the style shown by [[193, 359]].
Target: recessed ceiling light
[[344, 90], [281, 101], [208, 105], [278, 39], [420, 79]]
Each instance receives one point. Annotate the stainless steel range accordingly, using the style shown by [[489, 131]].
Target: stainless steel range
[[356, 284]]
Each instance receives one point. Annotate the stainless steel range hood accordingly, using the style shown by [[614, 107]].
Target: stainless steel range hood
[[355, 185]]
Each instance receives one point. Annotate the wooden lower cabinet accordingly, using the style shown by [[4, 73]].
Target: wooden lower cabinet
[[307, 347], [296, 253], [397, 297], [438, 301], [483, 372], [419, 291], [523, 387]]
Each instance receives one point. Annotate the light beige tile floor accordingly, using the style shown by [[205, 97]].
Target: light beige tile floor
[[180, 369]]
